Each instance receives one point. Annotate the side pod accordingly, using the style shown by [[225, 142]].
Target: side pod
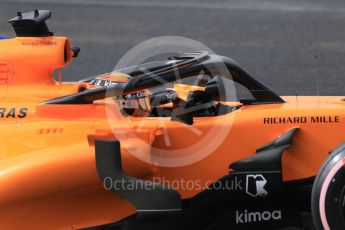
[[254, 185], [149, 198], [258, 177], [265, 167], [267, 157]]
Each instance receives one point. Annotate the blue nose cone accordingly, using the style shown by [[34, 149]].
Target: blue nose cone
[[2, 38]]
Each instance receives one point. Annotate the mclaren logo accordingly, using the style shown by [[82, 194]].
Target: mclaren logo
[[13, 112], [255, 185], [254, 217]]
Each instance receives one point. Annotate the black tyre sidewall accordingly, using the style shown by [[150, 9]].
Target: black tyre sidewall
[[331, 162]]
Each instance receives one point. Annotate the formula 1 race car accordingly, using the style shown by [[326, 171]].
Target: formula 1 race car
[[138, 148]]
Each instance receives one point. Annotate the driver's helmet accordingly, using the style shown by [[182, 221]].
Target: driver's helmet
[[134, 104]]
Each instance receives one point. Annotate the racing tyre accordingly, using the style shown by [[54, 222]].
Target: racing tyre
[[328, 194]]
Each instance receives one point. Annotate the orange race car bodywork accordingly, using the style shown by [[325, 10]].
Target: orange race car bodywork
[[48, 173]]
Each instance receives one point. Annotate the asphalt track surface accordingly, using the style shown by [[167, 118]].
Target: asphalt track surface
[[288, 45]]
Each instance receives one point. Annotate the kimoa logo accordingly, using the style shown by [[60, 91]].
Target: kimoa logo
[[251, 217]]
